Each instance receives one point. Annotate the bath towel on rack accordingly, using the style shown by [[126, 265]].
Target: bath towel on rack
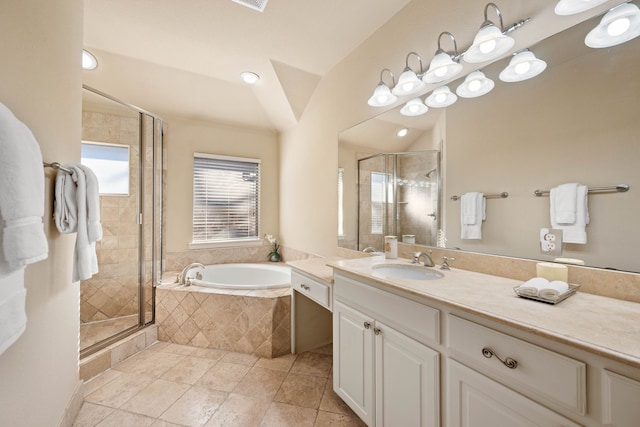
[[22, 237], [472, 213], [77, 209]]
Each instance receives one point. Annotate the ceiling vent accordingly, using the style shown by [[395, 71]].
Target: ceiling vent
[[258, 5]]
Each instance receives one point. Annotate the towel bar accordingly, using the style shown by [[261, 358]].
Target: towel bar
[[502, 195], [621, 188], [55, 165]]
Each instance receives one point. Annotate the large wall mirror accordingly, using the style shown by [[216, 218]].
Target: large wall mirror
[[576, 122]]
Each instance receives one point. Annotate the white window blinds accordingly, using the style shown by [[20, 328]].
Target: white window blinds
[[378, 181], [226, 198]]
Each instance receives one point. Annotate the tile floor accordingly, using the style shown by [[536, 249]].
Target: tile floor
[[176, 385]]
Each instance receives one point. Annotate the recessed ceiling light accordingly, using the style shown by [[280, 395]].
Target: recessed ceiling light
[[402, 132], [249, 77], [89, 62]]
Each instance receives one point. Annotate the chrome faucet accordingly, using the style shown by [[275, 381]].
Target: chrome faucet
[[182, 277], [369, 249], [445, 263], [428, 262]]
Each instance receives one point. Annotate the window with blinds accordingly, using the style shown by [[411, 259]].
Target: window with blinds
[[226, 198], [378, 182], [340, 201]]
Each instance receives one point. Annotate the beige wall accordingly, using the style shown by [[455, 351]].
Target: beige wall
[[40, 80], [184, 137]]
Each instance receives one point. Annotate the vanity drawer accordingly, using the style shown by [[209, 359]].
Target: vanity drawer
[[413, 319], [312, 288], [538, 372]]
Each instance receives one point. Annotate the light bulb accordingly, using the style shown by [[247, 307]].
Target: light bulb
[[402, 132], [440, 98], [440, 72], [522, 68], [474, 85], [488, 46], [618, 27]]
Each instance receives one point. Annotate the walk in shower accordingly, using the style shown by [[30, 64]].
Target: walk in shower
[[123, 145], [398, 194]]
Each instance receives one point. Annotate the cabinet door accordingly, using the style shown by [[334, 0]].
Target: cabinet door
[[474, 400], [407, 384], [353, 348]]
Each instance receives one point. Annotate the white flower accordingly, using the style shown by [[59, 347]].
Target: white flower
[[270, 238]]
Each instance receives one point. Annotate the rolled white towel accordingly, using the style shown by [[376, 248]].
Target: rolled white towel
[[532, 286], [553, 289]]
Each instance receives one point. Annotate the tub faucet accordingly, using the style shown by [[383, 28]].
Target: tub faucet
[[182, 277], [428, 262], [369, 249]]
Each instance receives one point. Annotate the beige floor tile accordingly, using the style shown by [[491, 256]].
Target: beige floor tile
[[195, 407], [331, 402], [283, 415], [313, 364], [122, 418], [261, 382], [325, 349], [91, 414], [240, 358], [115, 393], [301, 390], [223, 376], [163, 423], [168, 347], [156, 398], [97, 382], [240, 411], [209, 353], [189, 370], [282, 363], [330, 419], [150, 363]]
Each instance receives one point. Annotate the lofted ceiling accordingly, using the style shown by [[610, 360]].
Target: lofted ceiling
[[184, 57]]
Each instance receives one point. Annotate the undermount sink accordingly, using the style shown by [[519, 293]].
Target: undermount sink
[[406, 272]]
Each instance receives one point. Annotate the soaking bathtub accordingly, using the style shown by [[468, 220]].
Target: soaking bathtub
[[243, 276]]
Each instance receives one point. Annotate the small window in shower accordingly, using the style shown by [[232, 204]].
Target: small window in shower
[[110, 163], [378, 182]]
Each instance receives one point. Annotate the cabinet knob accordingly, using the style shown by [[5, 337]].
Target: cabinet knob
[[508, 362], [367, 325], [305, 287], [377, 331]]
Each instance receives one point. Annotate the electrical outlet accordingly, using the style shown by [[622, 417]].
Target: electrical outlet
[[550, 241]]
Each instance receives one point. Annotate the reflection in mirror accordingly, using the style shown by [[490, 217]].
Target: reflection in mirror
[[575, 122]]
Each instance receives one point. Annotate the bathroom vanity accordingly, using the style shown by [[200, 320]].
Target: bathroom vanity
[[465, 350]]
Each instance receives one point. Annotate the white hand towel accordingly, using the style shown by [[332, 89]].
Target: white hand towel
[[532, 286], [576, 232], [22, 195], [65, 208], [553, 289], [13, 317], [472, 208], [94, 229], [85, 262], [564, 199]]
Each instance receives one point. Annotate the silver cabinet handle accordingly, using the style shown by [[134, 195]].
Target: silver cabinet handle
[[305, 287], [508, 362], [377, 331], [367, 325]]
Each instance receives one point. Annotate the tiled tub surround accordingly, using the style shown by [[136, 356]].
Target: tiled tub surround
[[254, 322]]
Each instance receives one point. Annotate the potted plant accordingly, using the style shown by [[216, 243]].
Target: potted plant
[[274, 255]]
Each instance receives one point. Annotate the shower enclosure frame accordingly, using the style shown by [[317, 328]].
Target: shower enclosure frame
[[155, 130]]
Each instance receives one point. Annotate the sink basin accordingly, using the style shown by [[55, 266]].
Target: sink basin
[[406, 272]]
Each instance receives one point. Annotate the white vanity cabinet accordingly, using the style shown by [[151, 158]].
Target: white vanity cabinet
[[381, 370]]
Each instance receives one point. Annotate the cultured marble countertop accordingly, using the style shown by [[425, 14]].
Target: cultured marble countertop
[[317, 267], [604, 326]]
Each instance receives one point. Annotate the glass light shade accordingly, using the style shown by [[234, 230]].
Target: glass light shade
[[408, 83], [475, 84], [571, 7], [249, 77], [488, 44], [441, 97], [524, 65], [441, 68], [414, 107], [619, 25], [382, 96], [89, 62]]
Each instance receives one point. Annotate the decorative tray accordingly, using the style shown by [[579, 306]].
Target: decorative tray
[[572, 290]]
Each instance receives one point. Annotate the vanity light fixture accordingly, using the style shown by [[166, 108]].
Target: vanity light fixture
[[414, 107], [491, 41], [524, 65], [402, 132], [443, 66], [382, 95], [89, 62], [249, 77], [571, 7], [441, 97], [619, 25], [475, 84], [409, 83]]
